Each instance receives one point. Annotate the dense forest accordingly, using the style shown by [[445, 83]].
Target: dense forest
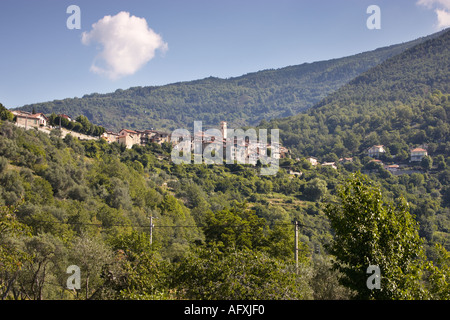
[[241, 101], [400, 103]]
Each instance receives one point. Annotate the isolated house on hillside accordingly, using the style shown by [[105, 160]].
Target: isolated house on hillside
[[295, 173], [392, 167], [417, 154], [330, 164], [27, 119], [376, 151], [313, 161], [377, 161]]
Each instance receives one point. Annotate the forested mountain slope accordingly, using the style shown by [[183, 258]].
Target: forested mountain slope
[[400, 103], [244, 100], [220, 231]]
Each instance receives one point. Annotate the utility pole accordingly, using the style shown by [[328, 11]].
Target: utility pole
[[296, 245]]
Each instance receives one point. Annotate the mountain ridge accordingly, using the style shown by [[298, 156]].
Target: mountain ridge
[[404, 95], [243, 100]]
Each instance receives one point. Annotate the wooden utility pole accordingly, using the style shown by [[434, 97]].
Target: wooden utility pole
[[296, 245]]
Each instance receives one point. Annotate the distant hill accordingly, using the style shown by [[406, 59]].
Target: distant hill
[[400, 103], [244, 100]]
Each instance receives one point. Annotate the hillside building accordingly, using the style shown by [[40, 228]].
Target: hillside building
[[417, 154], [27, 119], [376, 151]]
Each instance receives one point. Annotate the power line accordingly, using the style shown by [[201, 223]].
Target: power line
[[170, 226]]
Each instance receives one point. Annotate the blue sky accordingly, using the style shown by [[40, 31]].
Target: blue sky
[[42, 60]]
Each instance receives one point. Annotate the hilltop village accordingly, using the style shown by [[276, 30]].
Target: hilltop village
[[128, 138]]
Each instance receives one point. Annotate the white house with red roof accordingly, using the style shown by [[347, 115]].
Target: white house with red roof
[[27, 119], [376, 151], [417, 154]]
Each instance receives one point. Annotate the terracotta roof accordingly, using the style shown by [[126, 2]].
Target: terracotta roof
[[377, 147], [127, 130], [29, 115], [418, 150]]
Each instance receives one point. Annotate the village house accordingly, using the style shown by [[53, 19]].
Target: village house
[[417, 154], [110, 136], [392, 168], [27, 119], [131, 137], [376, 161], [295, 173], [65, 116], [313, 161], [158, 137], [243, 150], [330, 164], [284, 152], [376, 151], [128, 138]]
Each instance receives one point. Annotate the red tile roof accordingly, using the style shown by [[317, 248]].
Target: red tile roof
[[418, 150], [29, 115]]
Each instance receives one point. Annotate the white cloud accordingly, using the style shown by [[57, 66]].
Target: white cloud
[[443, 18], [127, 44], [442, 9], [432, 3]]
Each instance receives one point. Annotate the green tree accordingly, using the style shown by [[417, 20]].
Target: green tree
[[235, 228], [439, 275], [12, 258], [40, 274], [5, 114], [325, 281], [142, 274], [426, 163], [440, 161], [371, 232], [316, 189], [239, 275], [93, 257]]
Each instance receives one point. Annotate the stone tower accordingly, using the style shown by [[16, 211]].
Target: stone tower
[[223, 129]]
